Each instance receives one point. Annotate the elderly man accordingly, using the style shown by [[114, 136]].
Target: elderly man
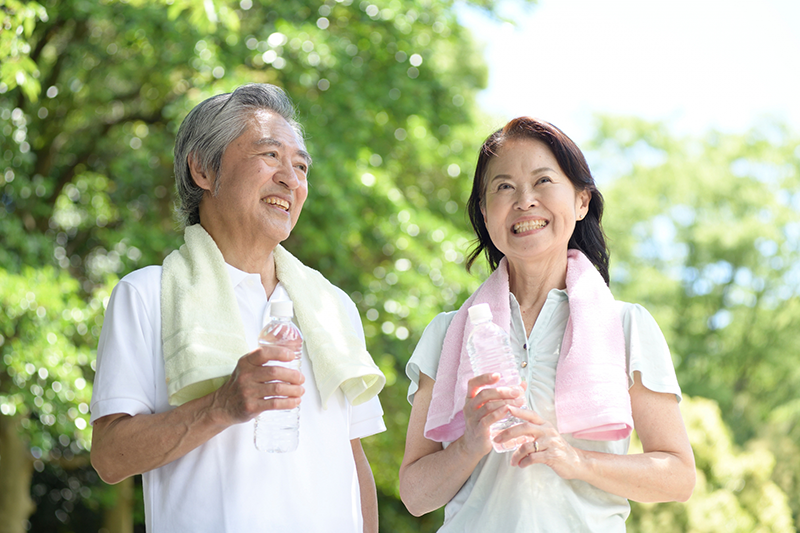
[[180, 375]]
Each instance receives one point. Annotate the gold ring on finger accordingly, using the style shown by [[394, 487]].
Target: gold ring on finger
[[535, 446]]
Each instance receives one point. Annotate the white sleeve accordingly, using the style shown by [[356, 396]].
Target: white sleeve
[[365, 419], [647, 351], [425, 358], [125, 378]]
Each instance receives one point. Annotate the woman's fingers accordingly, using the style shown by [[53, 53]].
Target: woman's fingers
[[529, 415], [480, 382]]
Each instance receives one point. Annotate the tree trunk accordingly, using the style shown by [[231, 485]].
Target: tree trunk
[[119, 518], [16, 472]]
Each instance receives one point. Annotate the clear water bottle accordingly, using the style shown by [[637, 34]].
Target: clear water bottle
[[279, 431], [490, 352]]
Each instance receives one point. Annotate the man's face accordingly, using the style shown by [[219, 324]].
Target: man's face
[[262, 184]]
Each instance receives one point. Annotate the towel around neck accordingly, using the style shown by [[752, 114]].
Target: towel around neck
[[591, 390], [203, 334]]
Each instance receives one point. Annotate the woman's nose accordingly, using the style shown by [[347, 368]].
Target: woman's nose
[[526, 198]]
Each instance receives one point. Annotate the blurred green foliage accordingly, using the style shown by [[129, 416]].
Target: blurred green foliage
[[704, 232], [91, 94]]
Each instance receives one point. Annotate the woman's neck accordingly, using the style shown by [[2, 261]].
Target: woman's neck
[[530, 282]]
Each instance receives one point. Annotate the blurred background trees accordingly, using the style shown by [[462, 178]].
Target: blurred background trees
[[704, 232]]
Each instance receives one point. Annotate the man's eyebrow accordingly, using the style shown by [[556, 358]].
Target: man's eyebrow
[[269, 141]]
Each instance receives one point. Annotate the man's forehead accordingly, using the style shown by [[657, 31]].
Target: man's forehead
[[271, 129]]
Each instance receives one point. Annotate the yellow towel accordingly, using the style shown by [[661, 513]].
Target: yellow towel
[[203, 334], [338, 355], [201, 327]]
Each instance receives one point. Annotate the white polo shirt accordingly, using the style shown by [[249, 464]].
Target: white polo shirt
[[226, 485]]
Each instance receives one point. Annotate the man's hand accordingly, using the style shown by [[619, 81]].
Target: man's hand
[[242, 397], [124, 445]]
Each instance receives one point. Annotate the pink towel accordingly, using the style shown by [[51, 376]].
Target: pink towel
[[591, 391]]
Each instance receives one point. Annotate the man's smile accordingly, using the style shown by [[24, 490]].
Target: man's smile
[[278, 202]]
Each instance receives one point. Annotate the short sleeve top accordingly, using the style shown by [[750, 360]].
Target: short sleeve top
[[498, 497]]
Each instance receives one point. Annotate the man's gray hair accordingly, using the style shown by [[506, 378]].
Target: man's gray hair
[[211, 126]]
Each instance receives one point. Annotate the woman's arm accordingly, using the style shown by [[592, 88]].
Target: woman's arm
[[431, 475], [665, 471]]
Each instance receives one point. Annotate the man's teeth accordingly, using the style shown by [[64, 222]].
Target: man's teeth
[[529, 225], [283, 204]]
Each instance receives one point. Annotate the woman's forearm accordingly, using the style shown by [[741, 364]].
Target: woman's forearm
[[665, 471], [434, 479], [646, 477]]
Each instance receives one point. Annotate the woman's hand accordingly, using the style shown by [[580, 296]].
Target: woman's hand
[[664, 472], [544, 445], [484, 406], [431, 475]]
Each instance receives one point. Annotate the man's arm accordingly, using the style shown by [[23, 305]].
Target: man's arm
[[124, 445], [366, 483]]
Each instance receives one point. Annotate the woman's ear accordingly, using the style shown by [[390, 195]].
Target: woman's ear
[[582, 200], [199, 176]]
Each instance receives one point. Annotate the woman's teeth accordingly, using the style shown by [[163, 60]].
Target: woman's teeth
[[529, 225]]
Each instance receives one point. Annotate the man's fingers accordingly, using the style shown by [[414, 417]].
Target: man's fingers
[[279, 388], [280, 404], [278, 373], [263, 354]]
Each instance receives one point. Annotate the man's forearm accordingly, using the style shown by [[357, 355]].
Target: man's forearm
[[366, 482], [124, 445]]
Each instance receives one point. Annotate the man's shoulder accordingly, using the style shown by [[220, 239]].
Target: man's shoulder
[[342, 295], [144, 280]]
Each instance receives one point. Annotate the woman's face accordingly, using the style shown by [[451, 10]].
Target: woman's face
[[530, 206]]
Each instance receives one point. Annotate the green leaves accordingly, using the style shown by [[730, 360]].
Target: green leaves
[[17, 21], [46, 365], [86, 175], [703, 232]]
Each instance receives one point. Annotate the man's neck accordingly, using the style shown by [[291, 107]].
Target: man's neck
[[251, 259]]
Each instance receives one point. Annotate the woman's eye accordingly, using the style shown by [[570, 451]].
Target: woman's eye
[[503, 186]]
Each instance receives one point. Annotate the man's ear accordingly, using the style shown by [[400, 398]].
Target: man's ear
[[200, 176]]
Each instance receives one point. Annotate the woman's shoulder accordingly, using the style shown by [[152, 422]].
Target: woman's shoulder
[[430, 343], [438, 326], [647, 350], [636, 316], [425, 359]]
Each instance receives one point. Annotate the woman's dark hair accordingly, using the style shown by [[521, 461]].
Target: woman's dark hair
[[588, 236]]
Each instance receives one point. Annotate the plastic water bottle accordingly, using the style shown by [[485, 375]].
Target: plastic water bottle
[[279, 431], [490, 352]]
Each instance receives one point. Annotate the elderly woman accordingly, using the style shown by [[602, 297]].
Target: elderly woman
[[591, 367]]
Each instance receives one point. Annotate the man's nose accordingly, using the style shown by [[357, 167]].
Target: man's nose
[[286, 176]]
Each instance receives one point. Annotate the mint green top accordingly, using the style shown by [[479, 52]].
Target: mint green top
[[498, 497]]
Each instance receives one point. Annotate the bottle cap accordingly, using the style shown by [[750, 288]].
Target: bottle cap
[[282, 308], [480, 313]]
